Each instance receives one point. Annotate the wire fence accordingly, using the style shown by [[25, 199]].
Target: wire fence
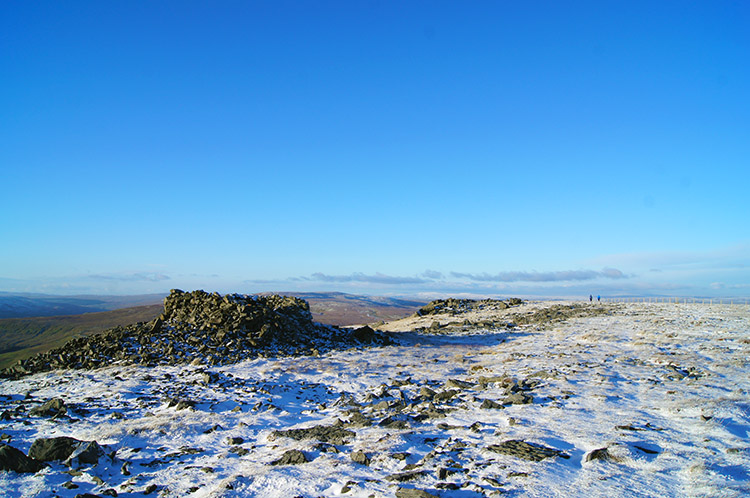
[[677, 300]]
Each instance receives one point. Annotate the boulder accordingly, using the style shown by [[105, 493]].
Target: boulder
[[413, 493], [326, 434], [364, 334], [53, 448], [52, 408], [360, 457], [87, 453], [291, 457], [13, 459], [526, 451]]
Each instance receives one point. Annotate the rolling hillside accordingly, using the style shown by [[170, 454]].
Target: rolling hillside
[[24, 337]]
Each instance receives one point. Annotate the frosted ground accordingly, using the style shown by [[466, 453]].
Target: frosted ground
[[664, 388]]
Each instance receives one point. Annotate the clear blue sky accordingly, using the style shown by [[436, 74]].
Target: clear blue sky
[[404, 148]]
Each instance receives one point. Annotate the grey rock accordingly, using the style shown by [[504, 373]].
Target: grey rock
[[405, 476], [455, 307], [518, 398], [598, 454], [364, 334], [446, 395], [13, 459], [459, 384], [291, 457], [360, 457], [488, 404], [526, 451], [326, 434], [413, 493], [180, 404], [86, 453], [391, 422], [357, 419], [54, 448], [52, 408]]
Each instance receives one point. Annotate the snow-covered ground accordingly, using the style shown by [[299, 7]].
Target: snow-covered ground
[[665, 388]]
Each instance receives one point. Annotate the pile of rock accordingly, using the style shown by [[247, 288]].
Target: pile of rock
[[205, 328], [453, 306], [561, 312]]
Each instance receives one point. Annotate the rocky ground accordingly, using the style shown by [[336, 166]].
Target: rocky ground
[[471, 398]]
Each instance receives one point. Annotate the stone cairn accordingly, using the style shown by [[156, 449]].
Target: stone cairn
[[453, 306], [204, 328]]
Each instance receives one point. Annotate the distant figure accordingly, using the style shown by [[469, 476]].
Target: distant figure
[[591, 298], [598, 298]]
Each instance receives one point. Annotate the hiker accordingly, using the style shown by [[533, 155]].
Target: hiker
[[598, 298], [591, 298]]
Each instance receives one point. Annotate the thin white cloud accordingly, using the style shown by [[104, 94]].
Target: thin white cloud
[[377, 278], [554, 276], [130, 277], [432, 274], [729, 257]]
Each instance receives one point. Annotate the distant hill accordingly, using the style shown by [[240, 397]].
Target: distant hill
[[27, 324], [28, 305], [338, 308], [24, 337]]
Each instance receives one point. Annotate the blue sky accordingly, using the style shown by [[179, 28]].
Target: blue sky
[[402, 148]]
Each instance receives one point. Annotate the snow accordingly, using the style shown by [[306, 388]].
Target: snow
[[663, 386]]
